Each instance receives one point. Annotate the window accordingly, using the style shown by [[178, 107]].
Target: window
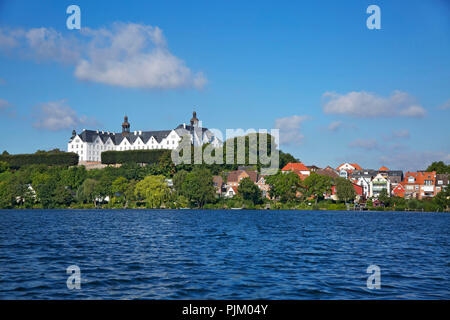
[[440, 182]]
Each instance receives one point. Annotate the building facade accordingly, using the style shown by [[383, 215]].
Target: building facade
[[89, 144]]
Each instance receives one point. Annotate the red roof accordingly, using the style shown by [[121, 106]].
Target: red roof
[[357, 166], [383, 168], [354, 165], [295, 167]]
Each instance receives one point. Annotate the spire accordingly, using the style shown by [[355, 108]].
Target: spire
[[194, 120], [125, 126]]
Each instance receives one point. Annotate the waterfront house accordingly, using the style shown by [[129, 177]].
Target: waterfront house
[[442, 181], [234, 177], [328, 171], [377, 184], [399, 191], [420, 184], [358, 191], [299, 168]]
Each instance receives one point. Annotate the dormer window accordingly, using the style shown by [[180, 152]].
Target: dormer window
[[411, 180]]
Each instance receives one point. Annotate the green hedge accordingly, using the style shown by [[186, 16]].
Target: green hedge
[[19, 160], [136, 156]]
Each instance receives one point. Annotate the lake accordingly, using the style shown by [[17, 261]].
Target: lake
[[223, 254]]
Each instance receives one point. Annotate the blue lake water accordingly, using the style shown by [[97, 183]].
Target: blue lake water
[[236, 254]]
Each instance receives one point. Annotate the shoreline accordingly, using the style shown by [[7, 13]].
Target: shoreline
[[202, 209]]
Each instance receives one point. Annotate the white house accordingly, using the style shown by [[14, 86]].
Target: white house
[[364, 182], [89, 144], [378, 183]]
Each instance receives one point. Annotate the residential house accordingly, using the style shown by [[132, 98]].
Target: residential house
[[263, 186], [358, 191], [349, 167], [219, 185], [313, 168], [299, 168], [399, 191], [420, 184], [377, 184], [442, 182], [328, 171], [234, 177]]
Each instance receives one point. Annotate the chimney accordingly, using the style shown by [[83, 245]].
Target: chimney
[[184, 125], [135, 132]]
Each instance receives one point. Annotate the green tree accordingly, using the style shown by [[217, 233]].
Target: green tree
[[154, 190], [384, 197], [249, 190], [87, 191], [442, 199], [316, 185], [178, 180], [344, 190], [73, 177], [439, 167], [284, 186], [198, 187]]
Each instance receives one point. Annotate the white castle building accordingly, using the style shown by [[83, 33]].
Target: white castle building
[[89, 144]]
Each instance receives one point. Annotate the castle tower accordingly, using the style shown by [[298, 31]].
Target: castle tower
[[194, 120], [125, 127]]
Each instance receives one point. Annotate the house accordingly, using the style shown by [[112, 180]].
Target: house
[[358, 191], [230, 191], [89, 144], [299, 168], [313, 168], [349, 167], [263, 186], [234, 177], [377, 184], [328, 171], [364, 183], [399, 191], [442, 181], [420, 184], [219, 185]]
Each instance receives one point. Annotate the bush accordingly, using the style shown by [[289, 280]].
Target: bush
[[17, 161], [134, 156]]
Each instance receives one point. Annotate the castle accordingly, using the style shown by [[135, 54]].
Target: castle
[[89, 144]]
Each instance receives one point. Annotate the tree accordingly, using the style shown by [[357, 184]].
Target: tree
[[439, 167], [316, 185], [442, 199], [153, 189], [284, 186], [4, 166], [73, 177], [120, 185], [344, 190], [384, 197], [198, 187], [87, 191], [285, 158], [249, 190], [178, 179]]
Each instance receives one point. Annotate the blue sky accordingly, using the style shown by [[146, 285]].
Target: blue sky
[[337, 90]]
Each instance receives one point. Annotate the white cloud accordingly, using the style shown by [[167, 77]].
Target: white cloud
[[57, 115], [335, 125], [290, 129], [125, 55], [445, 105], [365, 105], [367, 144]]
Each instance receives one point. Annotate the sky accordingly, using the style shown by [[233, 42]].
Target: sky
[[337, 90]]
